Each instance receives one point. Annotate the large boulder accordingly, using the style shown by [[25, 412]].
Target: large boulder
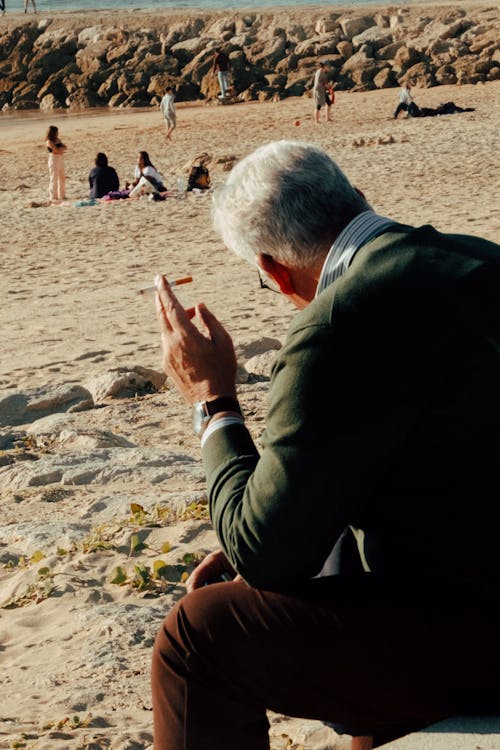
[[92, 57], [361, 67], [188, 48], [445, 75], [326, 24], [420, 75], [389, 51], [66, 42], [122, 382], [49, 102], [375, 36], [384, 79], [22, 408], [353, 26], [45, 63]]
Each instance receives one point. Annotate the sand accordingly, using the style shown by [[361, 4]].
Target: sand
[[76, 664]]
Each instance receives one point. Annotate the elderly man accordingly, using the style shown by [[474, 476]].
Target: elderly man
[[382, 429]]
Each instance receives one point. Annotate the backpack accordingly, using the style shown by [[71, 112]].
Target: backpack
[[199, 177]]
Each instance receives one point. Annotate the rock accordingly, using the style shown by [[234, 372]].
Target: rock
[[389, 51], [91, 58], [8, 439], [262, 364], [123, 382], [124, 466], [221, 26], [90, 439], [345, 49], [406, 57], [326, 24], [188, 48], [77, 66], [259, 346], [374, 36], [420, 75], [354, 26], [49, 101], [52, 425], [445, 75], [384, 79], [362, 68], [65, 42], [23, 408]]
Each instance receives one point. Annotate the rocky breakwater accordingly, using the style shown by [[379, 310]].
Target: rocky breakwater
[[128, 60]]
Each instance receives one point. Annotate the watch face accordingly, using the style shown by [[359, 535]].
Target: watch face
[[200, 417]]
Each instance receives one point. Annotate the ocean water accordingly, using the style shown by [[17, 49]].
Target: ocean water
[[145, 5]]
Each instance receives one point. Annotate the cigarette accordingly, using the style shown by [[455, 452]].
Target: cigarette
[[177, 282]]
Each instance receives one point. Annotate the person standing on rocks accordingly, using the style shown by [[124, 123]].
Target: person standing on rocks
[[167, 107], [56, 149], [321, 83], [221, 65], [26, 2]]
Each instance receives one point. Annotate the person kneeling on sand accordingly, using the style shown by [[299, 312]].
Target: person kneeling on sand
[[362, 538], [147, 178]]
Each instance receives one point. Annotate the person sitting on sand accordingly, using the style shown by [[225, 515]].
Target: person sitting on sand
[[103, 179], [147, 178], [358, 576]]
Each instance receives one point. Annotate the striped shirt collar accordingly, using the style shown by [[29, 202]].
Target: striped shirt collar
[[363, 228]]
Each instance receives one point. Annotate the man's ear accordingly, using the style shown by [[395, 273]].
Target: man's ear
[[277, 271]]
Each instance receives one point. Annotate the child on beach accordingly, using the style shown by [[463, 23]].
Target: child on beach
[[56, 149], [167, 106]]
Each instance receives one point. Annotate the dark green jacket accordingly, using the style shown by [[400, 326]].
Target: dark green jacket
[[384, 415]]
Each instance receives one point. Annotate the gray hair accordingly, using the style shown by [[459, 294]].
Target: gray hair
[[287, 199]]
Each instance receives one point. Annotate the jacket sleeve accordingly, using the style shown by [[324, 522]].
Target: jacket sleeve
[[278, 516]]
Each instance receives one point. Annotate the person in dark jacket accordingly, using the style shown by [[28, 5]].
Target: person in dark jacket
[[102, 178], [381, 433]]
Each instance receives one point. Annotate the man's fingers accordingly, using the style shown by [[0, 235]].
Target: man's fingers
[[213, 327], [173, 311]]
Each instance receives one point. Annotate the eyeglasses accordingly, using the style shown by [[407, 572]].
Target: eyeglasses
[[266, 282]]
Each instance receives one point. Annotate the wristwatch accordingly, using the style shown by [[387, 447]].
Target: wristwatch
[[203, 411]]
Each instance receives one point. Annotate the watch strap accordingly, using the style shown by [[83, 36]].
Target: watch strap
[[223, 403]]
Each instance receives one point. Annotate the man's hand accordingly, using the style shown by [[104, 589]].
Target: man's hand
[[210, 570], [201, 362]]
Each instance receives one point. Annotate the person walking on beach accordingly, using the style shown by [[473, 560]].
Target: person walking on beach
[[320, 97], [26, 2], [362, 538], [167, 106], [2, 7], [221, 65], [56, 149]]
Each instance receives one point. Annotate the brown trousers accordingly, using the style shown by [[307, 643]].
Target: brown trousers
[[380, 656]]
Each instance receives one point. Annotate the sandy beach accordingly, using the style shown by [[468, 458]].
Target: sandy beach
[[76, 657]]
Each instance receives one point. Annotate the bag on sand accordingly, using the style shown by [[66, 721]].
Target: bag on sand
[[199, 177]]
